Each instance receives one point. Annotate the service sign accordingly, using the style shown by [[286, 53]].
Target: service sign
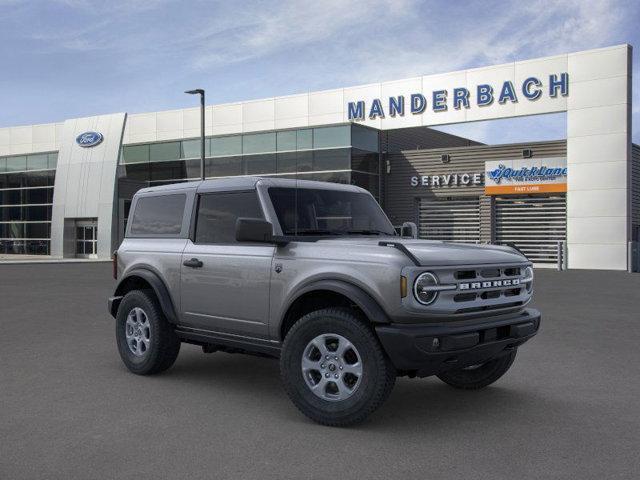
[[526, 176]]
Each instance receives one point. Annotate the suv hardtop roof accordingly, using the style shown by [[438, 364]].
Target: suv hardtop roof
[[247, 183]]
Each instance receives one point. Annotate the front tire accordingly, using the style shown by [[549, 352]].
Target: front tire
[[479, 376], [146, 341], [334, 369]]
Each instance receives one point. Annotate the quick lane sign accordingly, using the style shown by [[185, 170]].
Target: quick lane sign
[[482, 95], [526, 176]]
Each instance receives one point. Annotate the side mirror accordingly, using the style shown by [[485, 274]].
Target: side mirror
[[254, 230], [409, 229]]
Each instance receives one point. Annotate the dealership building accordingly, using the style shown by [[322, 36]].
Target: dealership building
[[66, 188]]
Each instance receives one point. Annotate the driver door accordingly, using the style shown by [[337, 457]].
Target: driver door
[[224, 283]]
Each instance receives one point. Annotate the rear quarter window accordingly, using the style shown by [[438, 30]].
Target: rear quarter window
[[159, 215]]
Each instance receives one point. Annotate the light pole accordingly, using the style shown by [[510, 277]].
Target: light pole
[[200, 92]]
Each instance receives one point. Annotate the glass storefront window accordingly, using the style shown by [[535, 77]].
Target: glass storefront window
[[334, 177], [190, 149], [38, 230], [259, 143], [286, 141], [287, 162], [135, 154], [10, 197], [168, 170], [305, 161], [11, 181], [136, 171], [327, 137], [338, 159], [38, 162], [16, 164], [304, 139], [162, 152], [35, 195], [192, 167], [223, 166], [364, 161], [52, 160], [26, 195], [223, 146], [11, 230], [364, 138], [260, 164], [366, 181], [39, 179], [294, 153]]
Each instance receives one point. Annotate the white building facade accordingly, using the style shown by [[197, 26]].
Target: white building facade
[[66, 195]]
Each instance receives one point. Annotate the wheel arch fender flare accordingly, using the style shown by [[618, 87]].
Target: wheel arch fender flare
[[369, 306], [158, 286]]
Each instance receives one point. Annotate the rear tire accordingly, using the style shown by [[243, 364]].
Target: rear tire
[[146, 341], [479, 376], [334, 368]]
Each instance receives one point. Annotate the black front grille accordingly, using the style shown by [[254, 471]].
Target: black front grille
[[490, 273], [490, 294], [480, 283], [484, 308], [465, 274], [465, 297]]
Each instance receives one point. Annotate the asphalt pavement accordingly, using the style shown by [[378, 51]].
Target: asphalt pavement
[[568, 408]]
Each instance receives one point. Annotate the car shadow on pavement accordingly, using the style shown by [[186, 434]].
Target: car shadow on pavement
[[414, 403]]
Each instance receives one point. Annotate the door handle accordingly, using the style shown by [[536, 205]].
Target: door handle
[[193, 263]]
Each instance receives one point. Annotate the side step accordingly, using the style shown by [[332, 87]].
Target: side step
[[228, 342]]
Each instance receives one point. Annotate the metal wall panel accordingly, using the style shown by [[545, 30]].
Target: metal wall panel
[[455, 219], [635, 191], [534, 224], [401, 198], [405, 139]]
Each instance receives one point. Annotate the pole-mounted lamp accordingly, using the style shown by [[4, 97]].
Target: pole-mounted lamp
[[200, 91]]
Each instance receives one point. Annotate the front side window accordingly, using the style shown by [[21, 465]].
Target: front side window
[[158, 215], [307, 211], [218, 212]]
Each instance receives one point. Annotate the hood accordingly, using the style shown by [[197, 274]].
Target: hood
[[437, 253], [443, 253]]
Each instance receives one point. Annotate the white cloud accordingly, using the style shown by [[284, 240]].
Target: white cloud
[[287, 25], [322, 44]]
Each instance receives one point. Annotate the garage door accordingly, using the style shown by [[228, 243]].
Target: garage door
[[454, 219], [534, 224]]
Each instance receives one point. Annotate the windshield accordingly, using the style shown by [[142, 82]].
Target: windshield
[[308, 211]]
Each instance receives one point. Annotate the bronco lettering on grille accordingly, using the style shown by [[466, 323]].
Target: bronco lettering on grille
[[489, 284]]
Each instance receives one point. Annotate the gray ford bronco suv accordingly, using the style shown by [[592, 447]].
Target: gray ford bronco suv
[[314, 274]]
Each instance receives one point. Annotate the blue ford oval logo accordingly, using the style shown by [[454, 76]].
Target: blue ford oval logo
[[89, 139]]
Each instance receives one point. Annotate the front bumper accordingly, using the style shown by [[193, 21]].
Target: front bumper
[[428, 349]]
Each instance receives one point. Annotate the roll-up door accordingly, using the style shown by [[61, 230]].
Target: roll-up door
[[534, 224], [452, 219]]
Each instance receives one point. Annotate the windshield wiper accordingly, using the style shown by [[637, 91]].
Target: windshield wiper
[[368, 232], [337, 232], [314, 232]]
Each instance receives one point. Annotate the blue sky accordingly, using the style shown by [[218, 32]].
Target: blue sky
[[71, 58]]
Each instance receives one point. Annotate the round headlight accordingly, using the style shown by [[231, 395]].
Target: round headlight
[[528, 279], [423, 288]]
